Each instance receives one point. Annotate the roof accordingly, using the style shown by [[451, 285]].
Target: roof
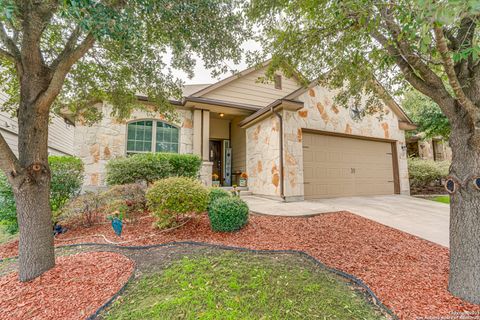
[[227, 80], [190, 89]]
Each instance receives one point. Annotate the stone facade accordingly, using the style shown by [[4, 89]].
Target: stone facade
[[263, 157], [319, 113], [429, 149], [105, 140]]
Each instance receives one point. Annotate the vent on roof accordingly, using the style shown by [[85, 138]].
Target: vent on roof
[[278, 82]]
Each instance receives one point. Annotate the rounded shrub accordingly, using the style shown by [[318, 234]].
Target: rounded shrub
[[217, 193], [169, 199], [423, 172], [228, 214]]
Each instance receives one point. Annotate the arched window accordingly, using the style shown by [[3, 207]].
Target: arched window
[[151, 136]]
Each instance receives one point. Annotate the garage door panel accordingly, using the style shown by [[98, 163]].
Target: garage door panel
[[339, 166]]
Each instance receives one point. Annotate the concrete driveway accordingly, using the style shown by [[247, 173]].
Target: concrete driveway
[[424, 218]]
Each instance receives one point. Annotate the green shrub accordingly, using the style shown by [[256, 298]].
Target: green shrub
[[129, 198], [150, 167], [169, 199], [87, 207], [8, 213], [217, 193], [184, 165], [228, 214], [424, 172], [66, 182]]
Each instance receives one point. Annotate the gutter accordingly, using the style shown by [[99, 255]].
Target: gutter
[[280, 119]]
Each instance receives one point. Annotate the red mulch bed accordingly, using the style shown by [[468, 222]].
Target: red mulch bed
[[407, 273], [74, 289]]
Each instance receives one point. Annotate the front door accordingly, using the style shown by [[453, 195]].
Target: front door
[[216, 158]]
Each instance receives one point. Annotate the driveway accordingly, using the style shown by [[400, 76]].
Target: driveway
[[423, 218]]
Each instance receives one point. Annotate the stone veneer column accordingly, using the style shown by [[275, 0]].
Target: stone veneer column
[[197, 132], [206, 136]]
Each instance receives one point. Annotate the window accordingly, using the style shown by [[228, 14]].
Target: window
[[151, 136], [278, 82]]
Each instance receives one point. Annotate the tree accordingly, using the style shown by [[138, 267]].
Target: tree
[[426, 114], [433, 46], [74, 53]]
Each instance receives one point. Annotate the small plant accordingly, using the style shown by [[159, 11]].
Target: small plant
[[228, 214], [235, 191], [243, 179], [217, 193], [215, 181], [87, 207], [172, 198], [131, 197]]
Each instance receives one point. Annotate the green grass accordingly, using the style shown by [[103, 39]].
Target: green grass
[[442, 199], [242, 286], [4, 235]]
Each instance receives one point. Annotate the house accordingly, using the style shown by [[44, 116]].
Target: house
[[60, 135], [293, 142], [436, 149]]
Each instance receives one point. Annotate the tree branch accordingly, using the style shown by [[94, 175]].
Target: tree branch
[[7, 55], [408, 54], [8, 160], [439, 95], [63, 66], [448, 65], [9, 43]]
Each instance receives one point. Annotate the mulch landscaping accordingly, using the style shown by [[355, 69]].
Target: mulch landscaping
[[74, 289], [408, 274]]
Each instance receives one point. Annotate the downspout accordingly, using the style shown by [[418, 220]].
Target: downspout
[[280, 119]]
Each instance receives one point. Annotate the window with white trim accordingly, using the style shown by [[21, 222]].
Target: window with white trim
[[152, 136]]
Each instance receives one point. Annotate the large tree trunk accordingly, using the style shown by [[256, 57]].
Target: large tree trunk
[[32, 188], [464, 281], [36, 251]]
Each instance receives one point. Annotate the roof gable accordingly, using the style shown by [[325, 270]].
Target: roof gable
[[246, 88]]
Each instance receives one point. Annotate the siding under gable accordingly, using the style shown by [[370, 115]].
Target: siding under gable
[[247, 90], [60, 136]]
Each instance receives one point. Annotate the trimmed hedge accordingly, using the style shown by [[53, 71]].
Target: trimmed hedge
[[66, 183], [217, 193], [423, 172], [150, 167], [228, 214], [169, 199]]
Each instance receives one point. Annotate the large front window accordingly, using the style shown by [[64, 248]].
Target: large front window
[[152, 136]]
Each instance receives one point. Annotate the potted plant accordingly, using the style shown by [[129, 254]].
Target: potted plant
[[117, 220], [243, 179], [215, 180]]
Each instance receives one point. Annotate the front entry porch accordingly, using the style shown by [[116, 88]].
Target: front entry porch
[[221, 143]]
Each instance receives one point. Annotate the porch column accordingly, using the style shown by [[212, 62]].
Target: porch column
[[197, 132], [206, 136]]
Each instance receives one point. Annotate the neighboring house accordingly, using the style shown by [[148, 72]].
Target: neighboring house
[[436, 149], [60, 135], [293, 142]]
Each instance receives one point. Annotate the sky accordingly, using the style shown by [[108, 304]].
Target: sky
[[202, 75]]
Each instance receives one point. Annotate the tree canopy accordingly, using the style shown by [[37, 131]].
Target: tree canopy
[[350, 44], [426, 114], [122, 48]]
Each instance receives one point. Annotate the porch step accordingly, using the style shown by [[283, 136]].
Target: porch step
[[243, 190]]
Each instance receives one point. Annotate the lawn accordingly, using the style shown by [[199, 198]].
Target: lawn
[[442, 199], [4, 235], [242, 286]]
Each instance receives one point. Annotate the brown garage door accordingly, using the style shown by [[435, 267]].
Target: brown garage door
[[338, 167]]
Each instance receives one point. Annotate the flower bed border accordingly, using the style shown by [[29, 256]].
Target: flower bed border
[[317, 262]]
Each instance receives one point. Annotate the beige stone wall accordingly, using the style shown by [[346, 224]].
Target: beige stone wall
[[99, 143], [321, 113], [263, 157]]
